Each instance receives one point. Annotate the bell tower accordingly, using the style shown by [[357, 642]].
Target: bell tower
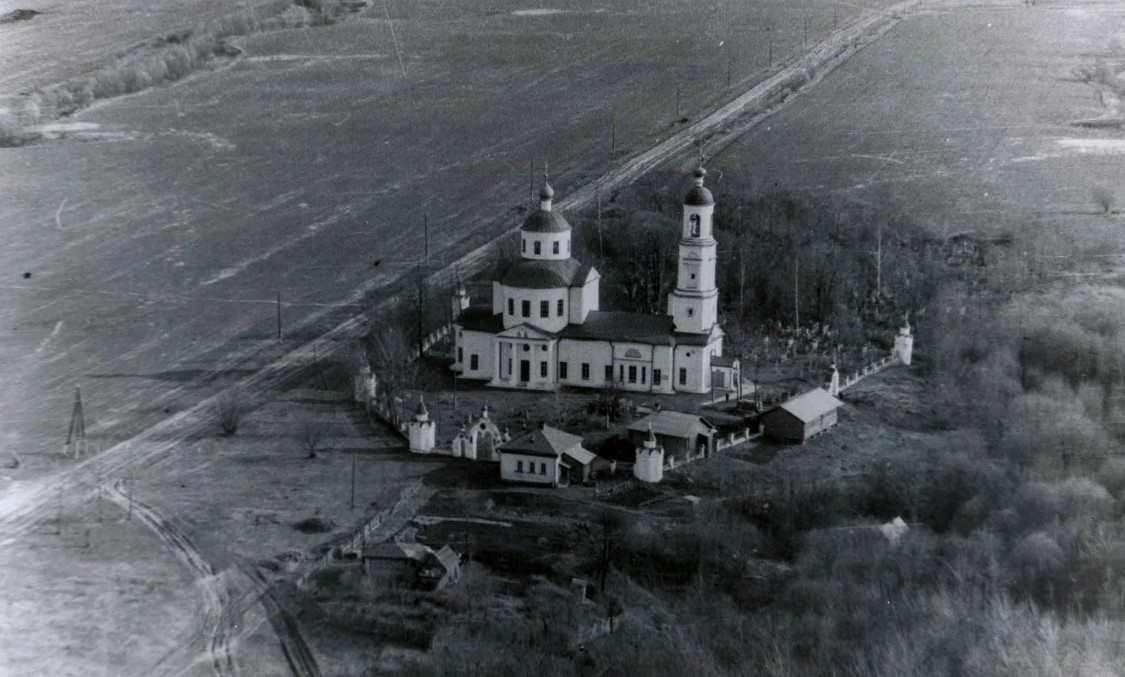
[[694, 304]]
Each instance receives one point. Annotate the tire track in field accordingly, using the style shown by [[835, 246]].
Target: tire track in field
[[213, 630]]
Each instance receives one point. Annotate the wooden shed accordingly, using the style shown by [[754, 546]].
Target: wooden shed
[[802, 417], [681, 435], [412, 564]]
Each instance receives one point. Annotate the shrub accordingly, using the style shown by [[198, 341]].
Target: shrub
[[229, 408], [314, 525], [1112, 475]]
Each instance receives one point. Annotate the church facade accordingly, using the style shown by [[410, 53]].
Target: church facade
[[544, 328]]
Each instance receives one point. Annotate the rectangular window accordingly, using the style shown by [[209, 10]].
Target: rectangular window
[[562, 370], [511, 306], [621, 373], [544, 309], [519, 466], [632, 374], [683, 376], [460, 355], [609, 372], [555, 247], [526, 308], [538, 248], [644, 374], [543, 369], [561, 308], [474, 362], [585, 371], [523, 246], [656, 376], [542, 468]]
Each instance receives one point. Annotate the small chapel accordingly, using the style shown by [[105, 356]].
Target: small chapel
[[544, 328]]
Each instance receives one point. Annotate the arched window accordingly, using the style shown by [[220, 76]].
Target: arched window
[[694, 221]]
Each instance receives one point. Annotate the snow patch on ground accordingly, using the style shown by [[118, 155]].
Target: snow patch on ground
[[536, 12], [1093, 146]]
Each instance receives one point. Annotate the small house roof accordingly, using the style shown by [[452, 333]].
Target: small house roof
[[546, 441], [580, 455], [397, 550], [811, 405], [672, 424], [723, 361], [448, 557]]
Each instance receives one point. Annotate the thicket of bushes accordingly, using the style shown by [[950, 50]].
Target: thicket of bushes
[[164, 59]]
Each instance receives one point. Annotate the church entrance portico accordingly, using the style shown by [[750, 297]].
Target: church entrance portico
[[524, 358]]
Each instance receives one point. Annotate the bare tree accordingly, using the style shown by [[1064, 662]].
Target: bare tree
[[611, 524], [313, 434], [1103, 198], [392, 360]]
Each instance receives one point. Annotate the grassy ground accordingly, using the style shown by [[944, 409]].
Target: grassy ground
[[73, 609]]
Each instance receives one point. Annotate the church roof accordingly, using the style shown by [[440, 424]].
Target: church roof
[[545, 274], [545, 221], [698, 196], [612, 325], [480, 318]]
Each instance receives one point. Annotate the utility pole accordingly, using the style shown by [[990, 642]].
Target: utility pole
[[426, 235], [353, 481], [678, 102], [613, 137], [796, 293], [531, 178], [769, 39], [279, 317], [76, 434], [601, 244]]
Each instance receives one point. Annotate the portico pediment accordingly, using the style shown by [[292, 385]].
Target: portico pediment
[[525, 331]]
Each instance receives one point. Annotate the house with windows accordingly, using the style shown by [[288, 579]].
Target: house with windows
[[547, 456], [544, 328]]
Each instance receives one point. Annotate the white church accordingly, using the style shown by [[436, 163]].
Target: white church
[[544, 328]]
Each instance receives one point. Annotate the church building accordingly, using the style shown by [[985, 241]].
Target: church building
[[544, 327]]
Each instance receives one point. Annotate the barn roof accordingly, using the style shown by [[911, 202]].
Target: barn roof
[[672, 424], [808, 406]]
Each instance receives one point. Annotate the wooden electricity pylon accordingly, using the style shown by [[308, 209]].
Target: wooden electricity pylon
[[77, 433]]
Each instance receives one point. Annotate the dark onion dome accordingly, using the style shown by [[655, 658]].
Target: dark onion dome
[[545, 274], [544, 221], [546, 192], [699, 196]]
